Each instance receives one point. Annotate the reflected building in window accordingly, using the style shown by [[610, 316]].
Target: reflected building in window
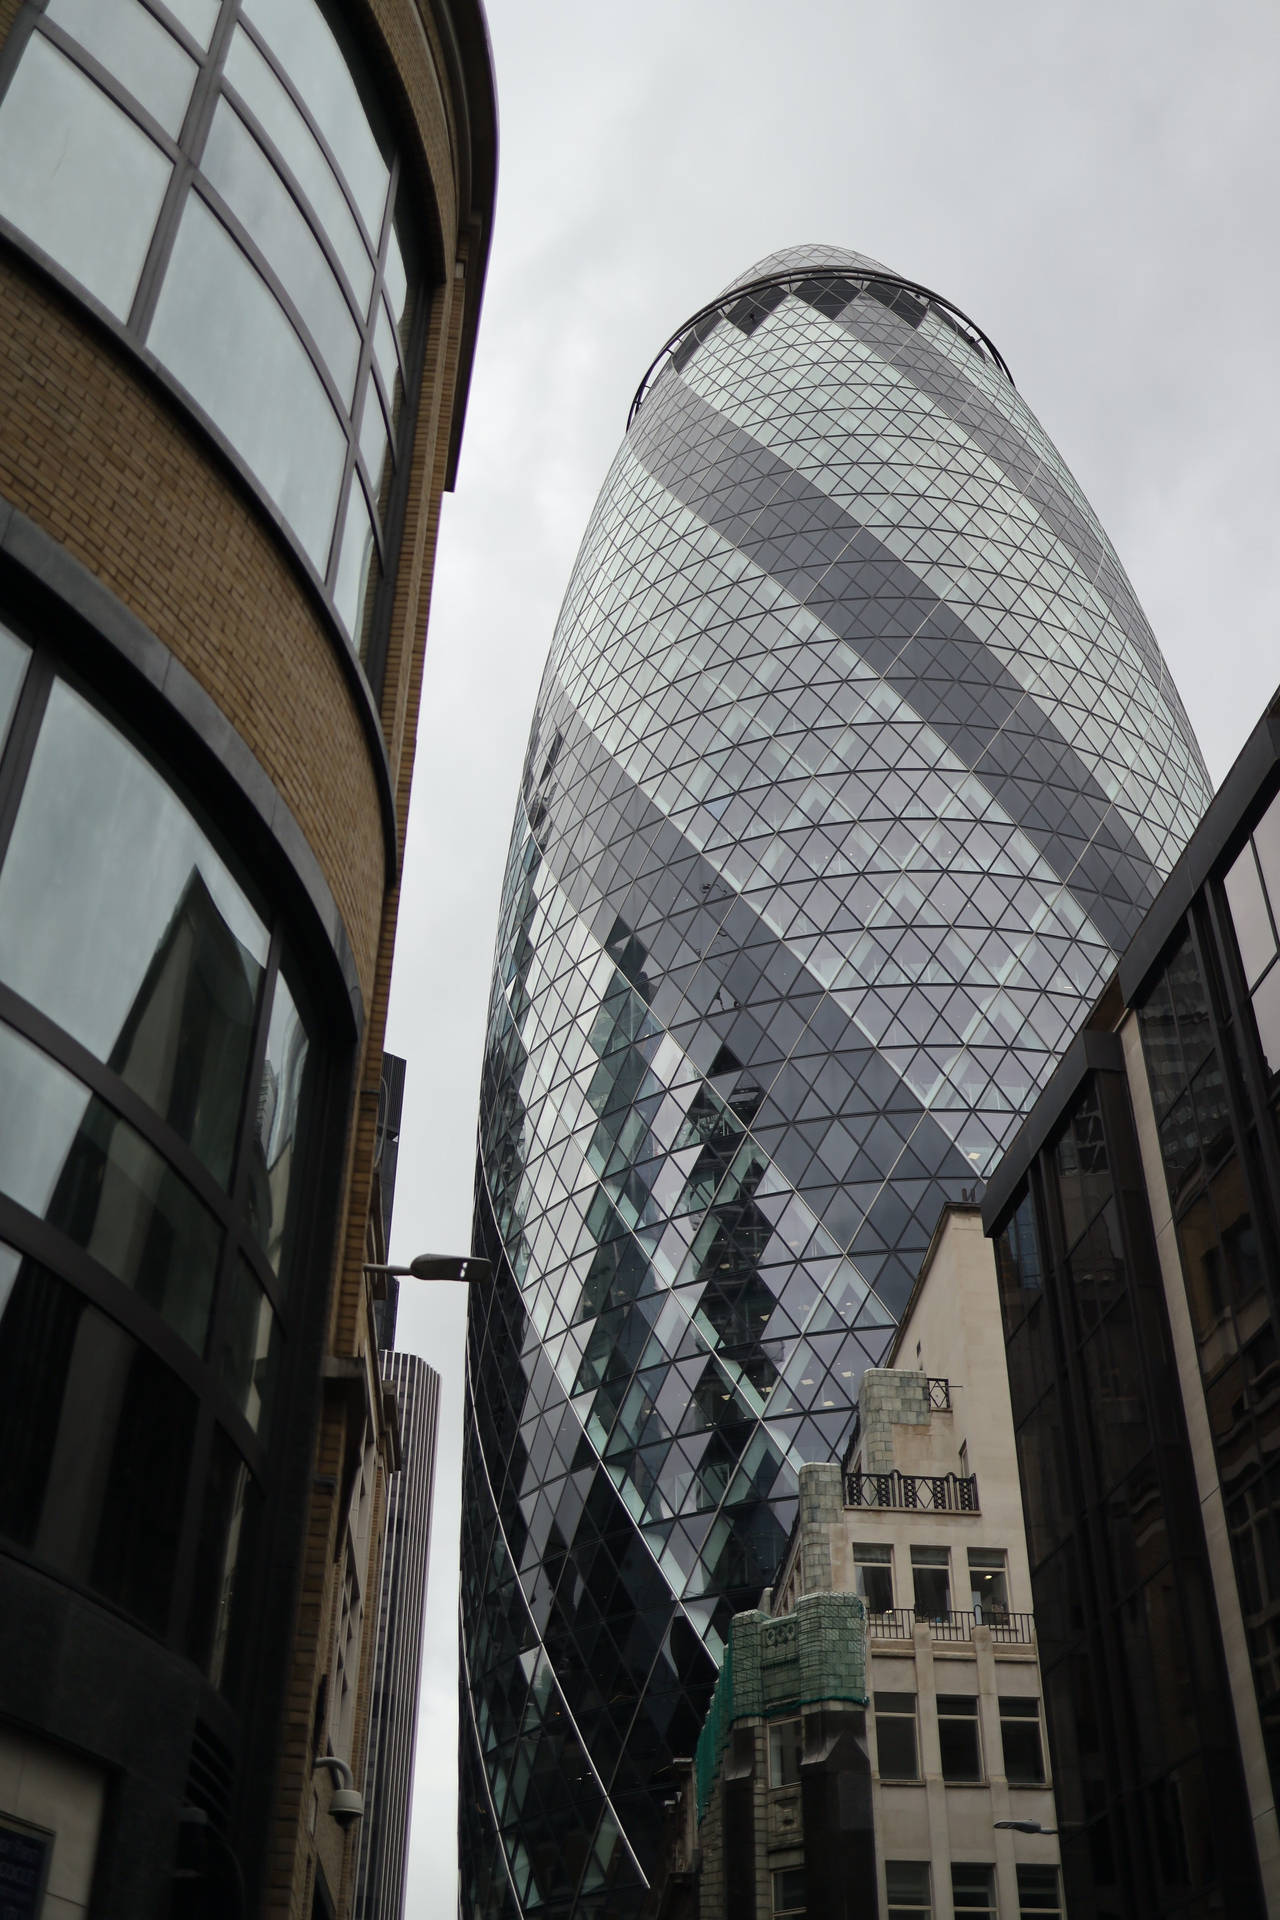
[[242, 247], [854, 764], [1138, 1244]]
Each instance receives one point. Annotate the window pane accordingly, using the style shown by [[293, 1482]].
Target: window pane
[[897, 1754], [396, 280], [784, 1753], [197, 16], [257, 195], [78, 176], [119, 921], [1249, 915], [1023, 1759], [873, 1571], [131, 44], [96, 1444], [253, 79], [988, 1585], [300, 37], [788, 1894], [220, 330], [1266, 1011], [246, 1347], [907, 1886], [358, 572], [65, 1156], [224, 1557], [1038, 1891], [375, 438], [13, 666], [932, 1589], [384, 352], [279, 1105], [958, 1737], [973, 1888]]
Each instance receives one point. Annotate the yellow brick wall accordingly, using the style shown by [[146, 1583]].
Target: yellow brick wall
[[105, 462]]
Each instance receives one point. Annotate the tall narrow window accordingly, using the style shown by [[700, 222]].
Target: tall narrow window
[[1039, 1895], [1020, 1737], [988, 1585], [958, 1738], [931, 1580], [873, 1576], [897, 1750], [784, 1753], [973, 1890], [788, 1894], [906, 1885]]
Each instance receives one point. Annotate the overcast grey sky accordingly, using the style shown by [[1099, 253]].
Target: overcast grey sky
[[1094, 183]]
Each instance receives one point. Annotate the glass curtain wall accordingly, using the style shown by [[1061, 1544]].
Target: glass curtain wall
[[854, 762], [211, 175], [158, 1071]]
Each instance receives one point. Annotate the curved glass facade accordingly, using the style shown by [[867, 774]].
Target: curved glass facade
[[208, 172], [157, 1076], [854, 763]]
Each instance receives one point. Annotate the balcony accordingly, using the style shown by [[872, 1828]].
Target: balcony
[[913, 1492], [1010, 1629]]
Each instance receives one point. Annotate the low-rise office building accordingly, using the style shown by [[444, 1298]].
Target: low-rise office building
[[876, 1741]]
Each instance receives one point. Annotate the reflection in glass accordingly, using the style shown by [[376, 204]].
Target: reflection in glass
[[131, 44], [359, 545], [224, 1555], [220, 330], [78, 176], [300, 37], [13, 666], [283, 1072], [256, 194], [246, 1345], [65, 1156], [96, 1442], [262, 93], [1266, 1011], [375, 438], [119, 921], [1254, 932]]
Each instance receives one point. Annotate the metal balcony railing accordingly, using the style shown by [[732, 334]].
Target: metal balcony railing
[[914, 1492], [1017, 1629]]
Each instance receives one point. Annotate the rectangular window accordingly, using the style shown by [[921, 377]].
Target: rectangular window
[[873, 1576], [973, 1889], [988, 1585], [958, 1738], [788, 1894], [906, 1885], [1020, 1737], [784, 1753], [931, 1582], [1038, 1894], [897, 1750]]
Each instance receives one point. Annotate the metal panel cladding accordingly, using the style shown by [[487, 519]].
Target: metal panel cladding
[[854, 763]]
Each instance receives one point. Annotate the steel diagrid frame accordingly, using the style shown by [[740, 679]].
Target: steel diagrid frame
[[820, 856]]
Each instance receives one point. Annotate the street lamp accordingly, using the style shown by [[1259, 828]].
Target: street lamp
[[437, 1266], [1024, 1826]]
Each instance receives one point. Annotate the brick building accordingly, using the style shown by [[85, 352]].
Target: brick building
[[242, 247]]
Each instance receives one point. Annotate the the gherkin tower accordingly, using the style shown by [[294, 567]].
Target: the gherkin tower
[[854, 762]]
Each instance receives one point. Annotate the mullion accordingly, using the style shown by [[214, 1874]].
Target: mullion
[[194, 132], [24, 730], [36, 1240]]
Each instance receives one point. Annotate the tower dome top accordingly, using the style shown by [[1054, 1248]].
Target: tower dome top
[[798, 259]]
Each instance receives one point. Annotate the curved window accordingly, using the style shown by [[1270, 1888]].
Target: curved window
[[275, 282], [159, 1069]]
